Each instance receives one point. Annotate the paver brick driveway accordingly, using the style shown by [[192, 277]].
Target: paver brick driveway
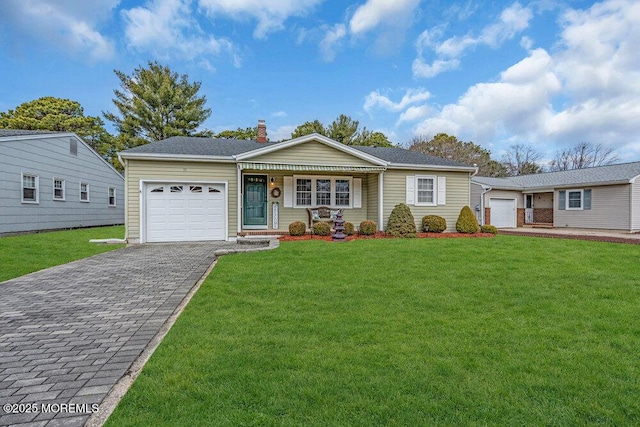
[[69, 333]]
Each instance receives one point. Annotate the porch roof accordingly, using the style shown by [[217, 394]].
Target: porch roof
[[307, 168]]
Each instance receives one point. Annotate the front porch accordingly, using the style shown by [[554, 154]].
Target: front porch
[[537, 211]]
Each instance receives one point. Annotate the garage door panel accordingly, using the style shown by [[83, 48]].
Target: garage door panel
[[503, 213], [185, 212]]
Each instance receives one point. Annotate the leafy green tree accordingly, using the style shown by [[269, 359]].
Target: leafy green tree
[[449, 147], [155, 103], [247, 133], [308, 128], [375, 139], [343, 129], [56, 114]]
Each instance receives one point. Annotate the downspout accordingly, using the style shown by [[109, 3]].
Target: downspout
[[239, 184], [485, 191], [380, 200]]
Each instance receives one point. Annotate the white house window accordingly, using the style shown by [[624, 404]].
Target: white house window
[[574, 199], [342, 192], [29, 188], [58, 189], [303, 192], [425, 190], [84, 192], [323, 191], [112, 196]]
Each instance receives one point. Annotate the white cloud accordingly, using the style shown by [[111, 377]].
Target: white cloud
[[279, 114], [414, 113], [376, 12], [586, 89], [70, 26], [281, 133], [166, 28], [512, 21], [331, 39], [271, 14], [376, 100]]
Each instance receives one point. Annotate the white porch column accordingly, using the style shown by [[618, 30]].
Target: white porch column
[[239, 181]]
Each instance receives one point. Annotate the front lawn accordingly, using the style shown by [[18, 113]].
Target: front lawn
[[504, 331], [20, 255]]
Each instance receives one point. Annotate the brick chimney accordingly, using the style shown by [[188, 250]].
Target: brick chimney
[[262, 131]]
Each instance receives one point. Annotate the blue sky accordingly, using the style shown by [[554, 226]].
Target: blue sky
[[546, 73]]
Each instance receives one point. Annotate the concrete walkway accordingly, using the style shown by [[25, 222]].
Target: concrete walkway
[[69, 333], [615, 236]]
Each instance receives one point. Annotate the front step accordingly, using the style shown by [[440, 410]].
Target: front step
[[538, 225]]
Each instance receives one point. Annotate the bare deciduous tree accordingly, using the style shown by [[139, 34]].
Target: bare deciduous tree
[[583, 155], [521, 159]]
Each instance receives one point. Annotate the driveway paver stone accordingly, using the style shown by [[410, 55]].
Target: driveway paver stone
[[69, 333]]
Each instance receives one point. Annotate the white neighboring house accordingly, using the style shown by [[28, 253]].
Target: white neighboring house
[[602, 197], [54, 180]]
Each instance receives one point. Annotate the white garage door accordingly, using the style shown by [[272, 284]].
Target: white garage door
[[177, 212], [503, 213]]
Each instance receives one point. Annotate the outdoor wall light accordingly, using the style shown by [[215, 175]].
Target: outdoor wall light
[[272, 180]]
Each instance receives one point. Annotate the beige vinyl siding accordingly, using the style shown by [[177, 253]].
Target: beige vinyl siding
[[288, 215], [457, 196], [311, 153], [609, 210], [543, 200], [475, 198], [142, 170], [504, 194], [635, 212]]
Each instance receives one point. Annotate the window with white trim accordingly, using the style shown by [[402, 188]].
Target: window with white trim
[[112, 196], [84, 192], [58, 189], [425, 191], [323, 191], [30, 184], [574, 199]]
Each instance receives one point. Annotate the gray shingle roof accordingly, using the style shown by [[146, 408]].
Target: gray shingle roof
[[407, 157], [599, 175], [21, 132], [196, 146]]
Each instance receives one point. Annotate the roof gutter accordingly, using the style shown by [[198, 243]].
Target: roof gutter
[[176, 157], [432, 167]]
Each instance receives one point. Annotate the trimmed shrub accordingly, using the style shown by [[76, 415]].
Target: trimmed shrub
[[434, 224], [489, 229], [368, 227], [321, 229], [297, 228], [467, 222], [349, 228], [401, 222]]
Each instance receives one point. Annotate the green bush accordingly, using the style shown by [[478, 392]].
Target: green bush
[[401, 222], [467, 222], [368, 227], [434, 224], [349, 228], [489, 229], [297, 228], [321, 229]]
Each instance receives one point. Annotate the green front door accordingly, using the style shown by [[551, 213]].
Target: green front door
[[255, 200]]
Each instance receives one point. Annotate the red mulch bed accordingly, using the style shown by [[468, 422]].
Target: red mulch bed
[[382, 235]]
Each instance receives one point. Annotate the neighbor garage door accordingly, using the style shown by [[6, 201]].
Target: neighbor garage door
[[503, 213], [177, 212]]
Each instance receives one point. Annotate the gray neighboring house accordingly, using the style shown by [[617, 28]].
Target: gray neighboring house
[[602, 197], [54, 180]]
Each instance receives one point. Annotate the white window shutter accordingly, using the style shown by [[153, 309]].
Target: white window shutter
[[288, 191], [411, 190], [442, 190], [357, 193]]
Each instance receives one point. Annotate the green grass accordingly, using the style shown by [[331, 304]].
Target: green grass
[[20, 255], [504, 331]]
